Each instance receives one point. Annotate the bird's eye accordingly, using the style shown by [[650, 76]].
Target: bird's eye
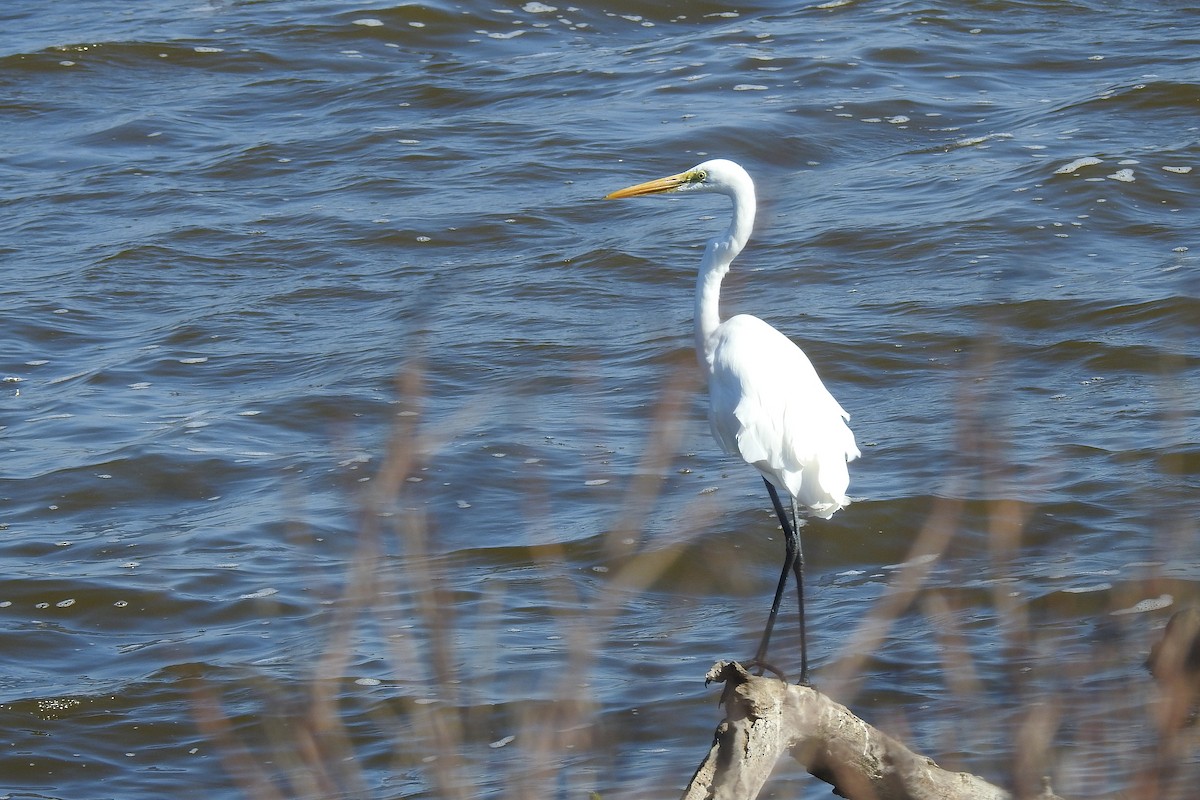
[[698, 176]]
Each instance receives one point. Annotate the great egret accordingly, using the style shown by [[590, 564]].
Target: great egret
[[766, 402]]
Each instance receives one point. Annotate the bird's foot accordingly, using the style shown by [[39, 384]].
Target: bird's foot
[[758, 667]]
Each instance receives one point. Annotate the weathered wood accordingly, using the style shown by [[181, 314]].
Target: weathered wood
[[766, 718]]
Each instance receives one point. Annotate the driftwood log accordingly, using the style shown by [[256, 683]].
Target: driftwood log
[[766, 718]]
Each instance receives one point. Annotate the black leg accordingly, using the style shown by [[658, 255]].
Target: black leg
[[791, 553], [798, 567]]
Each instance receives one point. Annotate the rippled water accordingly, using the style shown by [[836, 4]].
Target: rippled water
[[252, 248]]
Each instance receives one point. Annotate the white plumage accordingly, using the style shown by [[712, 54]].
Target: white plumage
[[767, 404]]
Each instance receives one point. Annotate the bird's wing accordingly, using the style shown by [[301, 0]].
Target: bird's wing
[[769, 406]]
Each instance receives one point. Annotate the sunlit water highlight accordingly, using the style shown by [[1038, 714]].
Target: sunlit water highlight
[[228, 228]]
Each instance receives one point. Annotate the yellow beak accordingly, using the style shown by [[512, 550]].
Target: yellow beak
[[667, 184]]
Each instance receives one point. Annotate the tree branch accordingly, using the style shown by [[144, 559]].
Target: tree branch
[[766, 718]]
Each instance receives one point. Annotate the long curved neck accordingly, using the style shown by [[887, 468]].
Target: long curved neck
[[718, 255]]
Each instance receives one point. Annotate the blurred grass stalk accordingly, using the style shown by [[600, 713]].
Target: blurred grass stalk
[[307, 750], [1048, 705]]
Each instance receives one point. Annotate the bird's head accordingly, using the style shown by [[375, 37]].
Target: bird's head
[[718, 175]]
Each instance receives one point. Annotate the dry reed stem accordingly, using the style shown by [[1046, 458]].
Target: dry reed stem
[[435, 732]]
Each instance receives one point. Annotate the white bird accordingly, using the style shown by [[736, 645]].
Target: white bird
[[766, 402]]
